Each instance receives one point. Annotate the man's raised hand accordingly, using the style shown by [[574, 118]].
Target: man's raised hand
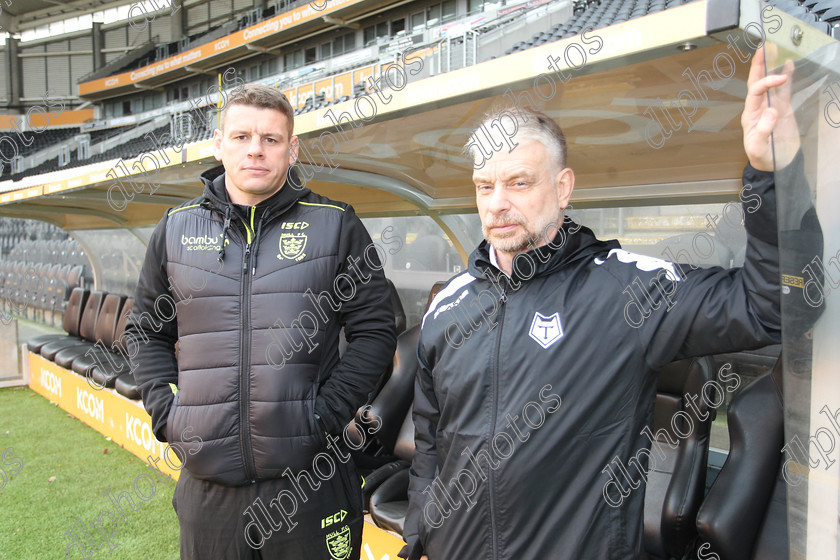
[[759, 120]]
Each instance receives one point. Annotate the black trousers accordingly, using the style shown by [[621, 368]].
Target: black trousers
[[300, 517]]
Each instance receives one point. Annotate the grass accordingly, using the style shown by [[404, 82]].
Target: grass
[[35, 513]]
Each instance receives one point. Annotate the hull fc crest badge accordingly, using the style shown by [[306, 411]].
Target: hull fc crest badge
[[292, 246], [546, 330], [338, 543]]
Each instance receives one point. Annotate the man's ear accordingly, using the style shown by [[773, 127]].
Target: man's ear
[[564, 182], [217, 144], [293, 150]]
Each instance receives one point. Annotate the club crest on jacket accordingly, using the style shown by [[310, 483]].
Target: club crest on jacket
[[292, 246], [546, 330]]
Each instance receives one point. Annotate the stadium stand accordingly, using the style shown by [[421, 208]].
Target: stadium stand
[[587, 14], [46, 276], [40, 267]]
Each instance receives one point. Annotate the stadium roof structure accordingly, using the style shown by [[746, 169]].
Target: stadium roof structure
[[650, 107], [267, 36], [31, 13]]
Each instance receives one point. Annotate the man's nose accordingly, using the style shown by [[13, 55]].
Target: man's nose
[[255, 148], [499, 200]]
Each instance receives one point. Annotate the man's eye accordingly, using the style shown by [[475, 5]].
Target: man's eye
[[270, 140], [483, 188]]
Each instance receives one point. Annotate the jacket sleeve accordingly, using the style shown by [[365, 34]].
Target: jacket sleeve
[[714, 310], [150, 341], [368, 321], [424, 463]]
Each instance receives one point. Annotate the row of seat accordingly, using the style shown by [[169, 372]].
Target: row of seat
[[678, 514], [824, 15], [38, 290], [594, 15], [31, 141], [54, 251], [94, 345]]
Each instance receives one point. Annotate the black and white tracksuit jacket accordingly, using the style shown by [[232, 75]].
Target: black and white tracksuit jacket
[[530, 385], [259, 303]]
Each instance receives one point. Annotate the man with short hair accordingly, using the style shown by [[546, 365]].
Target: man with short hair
[[254, 281], [532, 379]]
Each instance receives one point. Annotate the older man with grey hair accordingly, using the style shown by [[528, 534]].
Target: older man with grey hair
[[531, 379]]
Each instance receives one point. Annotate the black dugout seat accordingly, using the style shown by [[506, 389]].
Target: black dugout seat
[[436, 287], [109, 359], [126, 386], [388, 503], [396, 395], [106, 324], [399, 312], [72, 320], [87, 328], [744, 515], [676, 475], [387, 410], [386, 489]]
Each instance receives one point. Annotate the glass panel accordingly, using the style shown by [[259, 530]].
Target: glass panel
[[397, 25], [433, 14], [809, 233], [116, 256], [369, 34], [448, 9], [310, 55], [418, 20], [417, 254]]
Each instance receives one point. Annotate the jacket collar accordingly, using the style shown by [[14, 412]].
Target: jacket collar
[[216, 195], [567, 248]]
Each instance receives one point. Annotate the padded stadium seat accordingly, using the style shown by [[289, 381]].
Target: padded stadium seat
[[127, 387], [676, 475], [74, 276], [744, 514], [389, 501], [396, 395], [72, 320], [436, 287], [87, 328], [832, 14], [822, 26], [399, 311], [106, 324], [386, 489], [106, 374], [106, 355]]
